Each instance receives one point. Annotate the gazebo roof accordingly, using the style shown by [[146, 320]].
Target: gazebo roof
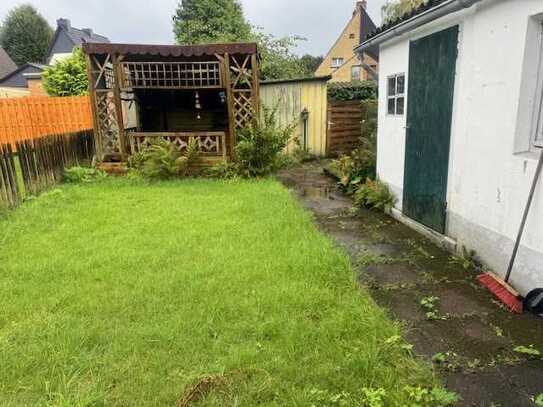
[[170, 50]]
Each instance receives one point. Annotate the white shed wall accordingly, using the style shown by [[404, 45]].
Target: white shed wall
[[489, 171]]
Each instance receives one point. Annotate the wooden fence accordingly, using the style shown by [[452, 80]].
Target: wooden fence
[[39, 164], [344, 126], [32, 117]]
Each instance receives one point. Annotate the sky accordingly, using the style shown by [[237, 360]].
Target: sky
[[149, 21]]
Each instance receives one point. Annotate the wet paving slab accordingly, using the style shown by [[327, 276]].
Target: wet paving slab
[[464, 332]]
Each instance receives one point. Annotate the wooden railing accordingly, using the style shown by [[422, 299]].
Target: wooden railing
[[211, 143]]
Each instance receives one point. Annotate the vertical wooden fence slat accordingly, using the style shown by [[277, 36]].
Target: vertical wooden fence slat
[[42, 162]]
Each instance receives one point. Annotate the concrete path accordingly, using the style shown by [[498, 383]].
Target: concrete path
[[462, 330]]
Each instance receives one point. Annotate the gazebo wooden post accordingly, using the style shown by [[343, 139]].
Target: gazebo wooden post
[[255, 86], [92, 95], [230, 104], [116, 59]]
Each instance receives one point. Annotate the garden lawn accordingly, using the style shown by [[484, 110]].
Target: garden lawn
[[125, 293]]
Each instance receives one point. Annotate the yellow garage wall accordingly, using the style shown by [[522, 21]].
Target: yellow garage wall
[[292, 97]]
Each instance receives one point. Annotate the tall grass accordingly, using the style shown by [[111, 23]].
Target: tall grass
[[121, 293]]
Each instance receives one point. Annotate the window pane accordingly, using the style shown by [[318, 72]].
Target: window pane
[[391, 86], [337, 62], [400, 105], [391, 105], [400, 84], [355, 73]]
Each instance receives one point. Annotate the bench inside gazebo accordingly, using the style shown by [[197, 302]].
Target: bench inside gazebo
[[141, 93]]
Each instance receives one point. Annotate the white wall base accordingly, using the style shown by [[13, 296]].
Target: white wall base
[[441, 240]]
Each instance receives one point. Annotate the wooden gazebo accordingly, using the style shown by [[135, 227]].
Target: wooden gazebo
[[178, 93]]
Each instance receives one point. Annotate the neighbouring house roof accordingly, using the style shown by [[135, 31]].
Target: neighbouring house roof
[[367, 27], [6, 63], [171, 50], [67, 37], [18, 78], [416, 11]]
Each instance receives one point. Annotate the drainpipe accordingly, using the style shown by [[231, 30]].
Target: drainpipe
[[305, 117], [425, 17]]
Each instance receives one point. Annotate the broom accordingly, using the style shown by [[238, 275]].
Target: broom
[[501, 288]]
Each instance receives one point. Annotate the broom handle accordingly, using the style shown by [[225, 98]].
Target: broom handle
[[524, 217]]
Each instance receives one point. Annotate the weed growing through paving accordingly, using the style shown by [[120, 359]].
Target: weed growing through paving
[[497, 330], [447, 360], [529, 351], [368, 259], [429, 304], [468, 260], [539, 400]]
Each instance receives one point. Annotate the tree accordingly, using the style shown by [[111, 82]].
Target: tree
[[67, 77], [311, 63], [278, 61], [394, 9], [25, 35], [208, 21]]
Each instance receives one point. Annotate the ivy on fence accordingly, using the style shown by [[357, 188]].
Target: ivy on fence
[[39, 164]]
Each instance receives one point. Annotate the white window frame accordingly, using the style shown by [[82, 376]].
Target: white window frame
[[395, 94], [338, 62], [536, 138], [359, 67]]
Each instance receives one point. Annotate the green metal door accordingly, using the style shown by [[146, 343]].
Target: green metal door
[[432, 67]]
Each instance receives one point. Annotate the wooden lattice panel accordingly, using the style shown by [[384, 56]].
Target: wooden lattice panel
[[243, 109], [241, 72], [171, 75], [107, 121]]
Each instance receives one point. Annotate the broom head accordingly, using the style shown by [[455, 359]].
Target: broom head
[[503, 291]]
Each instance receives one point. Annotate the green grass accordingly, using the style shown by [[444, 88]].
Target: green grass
[[123, 293]]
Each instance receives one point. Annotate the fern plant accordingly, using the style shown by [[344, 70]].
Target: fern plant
[[162, 160], [374, 195]]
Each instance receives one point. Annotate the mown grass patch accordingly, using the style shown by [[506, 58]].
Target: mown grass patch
[[127, 293]]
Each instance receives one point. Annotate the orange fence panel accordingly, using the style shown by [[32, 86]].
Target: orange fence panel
[[34, 117]]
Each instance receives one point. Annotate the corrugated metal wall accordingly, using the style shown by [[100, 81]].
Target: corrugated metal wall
[[293, 97]]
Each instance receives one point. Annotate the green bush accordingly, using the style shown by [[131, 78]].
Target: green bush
[[224, 169], [354, 168], [162, 160], [67, 77], [78, 175], [359, 90], [374, 195], [261, 143]]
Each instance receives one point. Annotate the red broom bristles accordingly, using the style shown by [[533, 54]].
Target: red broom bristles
[[497, 288]]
